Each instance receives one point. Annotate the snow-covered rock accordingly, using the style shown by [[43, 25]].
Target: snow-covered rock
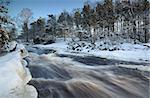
[[104, 45], [11, 45], [15, 76], [123, 51]]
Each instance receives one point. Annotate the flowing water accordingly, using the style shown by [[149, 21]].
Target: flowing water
[[66, 76]]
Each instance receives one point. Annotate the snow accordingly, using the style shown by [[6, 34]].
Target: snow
[[128, 55], [126, 51], [59, 46], [55, 45], [147, 44], [11, 45], [15, 76]]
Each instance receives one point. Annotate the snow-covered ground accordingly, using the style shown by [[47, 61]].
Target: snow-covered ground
[[126, 52], [15, 76]]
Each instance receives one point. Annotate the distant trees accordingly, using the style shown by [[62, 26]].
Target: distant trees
[[119, 20], [146, 22], [132, 16]]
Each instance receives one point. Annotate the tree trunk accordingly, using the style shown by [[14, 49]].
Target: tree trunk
[[26, 31], [145, 35], [146, 22], [134, 30], [64, 35]]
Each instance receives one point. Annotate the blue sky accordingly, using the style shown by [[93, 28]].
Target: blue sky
[[45, 7]]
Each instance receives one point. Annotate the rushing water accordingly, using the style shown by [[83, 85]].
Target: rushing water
[[62, 76]]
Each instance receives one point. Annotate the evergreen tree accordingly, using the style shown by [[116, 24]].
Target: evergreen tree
[[51, 27], [78, 18], [65, 22], [109, 17], [33, 29], [41, 26], [145, 7], [4, 21]]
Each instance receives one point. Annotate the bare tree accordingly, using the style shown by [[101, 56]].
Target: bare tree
[[25, 16]]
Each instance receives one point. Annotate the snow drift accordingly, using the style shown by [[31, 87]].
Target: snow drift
[[15, 76]]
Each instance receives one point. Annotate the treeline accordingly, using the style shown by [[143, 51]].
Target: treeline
[[125, 20]]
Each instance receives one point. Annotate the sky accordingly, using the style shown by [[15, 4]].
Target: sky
[[44, 7]]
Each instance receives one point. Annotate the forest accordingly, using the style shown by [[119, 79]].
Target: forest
[[119, 21]]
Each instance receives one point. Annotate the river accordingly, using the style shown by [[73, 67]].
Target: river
[[68, 76]]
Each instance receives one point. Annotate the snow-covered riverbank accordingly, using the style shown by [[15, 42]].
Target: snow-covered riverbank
[[127, 52], [15, 76]]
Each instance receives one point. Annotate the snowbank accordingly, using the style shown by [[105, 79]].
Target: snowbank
[[59, 46], [15, 76], [125, 51], [128, 55]]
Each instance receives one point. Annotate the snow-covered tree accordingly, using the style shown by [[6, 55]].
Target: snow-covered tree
[[5, 22], [65, 22], [51, 27], [41, 26]]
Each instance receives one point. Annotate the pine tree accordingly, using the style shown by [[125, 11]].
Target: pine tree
[[77, 18], [86, 16], [145, 7], [41, 26], [51, 27], [109, 14], [65, 22], [100, 15], [33, 29]]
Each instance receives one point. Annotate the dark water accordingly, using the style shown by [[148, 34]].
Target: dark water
[[86, 77], [38, 50], [96, 61]]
